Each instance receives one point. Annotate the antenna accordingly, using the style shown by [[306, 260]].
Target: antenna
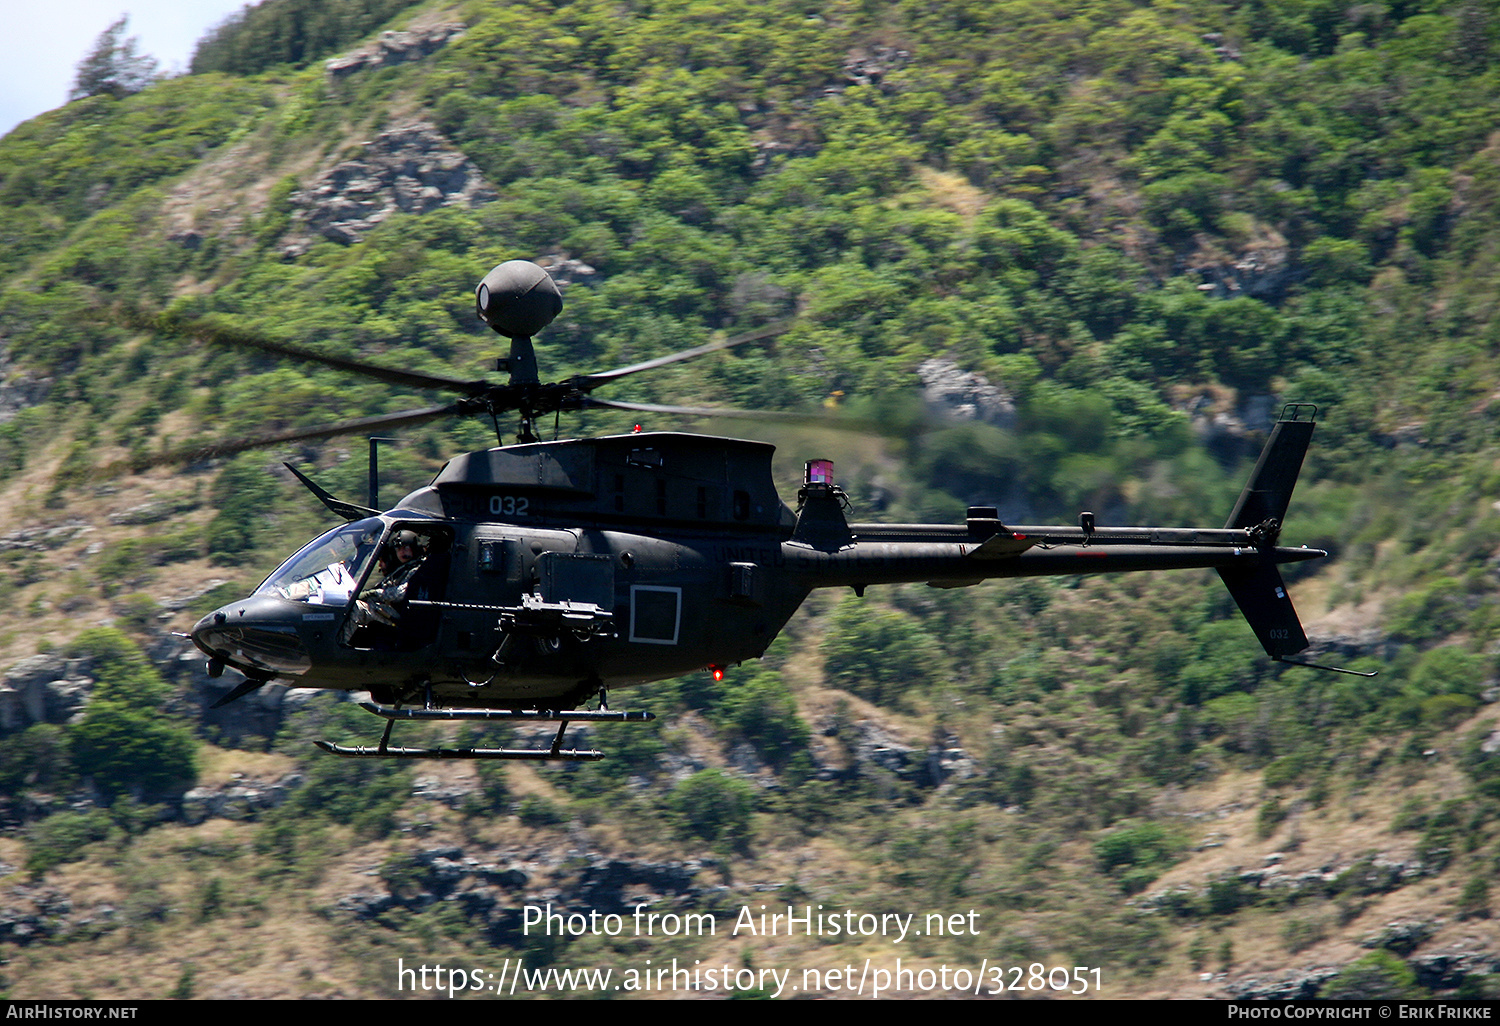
[[375, 470]]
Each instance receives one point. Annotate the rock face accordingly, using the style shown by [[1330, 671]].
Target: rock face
[[40, 539], [1443, 971], [962, 395], [871, 747], [870, 68], [493, 889], [36, 914], [1297, 986], [18, 390], [251, 719], [1264, 272], [52, 688], [244, 800], [408, 169], [566, 270], [44, 689], [394, 48]]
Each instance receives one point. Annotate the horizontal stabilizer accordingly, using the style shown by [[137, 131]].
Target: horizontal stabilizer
[[1262, 597], [1002, 546]]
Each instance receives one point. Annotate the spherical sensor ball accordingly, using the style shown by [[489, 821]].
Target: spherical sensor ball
[[517, 299]]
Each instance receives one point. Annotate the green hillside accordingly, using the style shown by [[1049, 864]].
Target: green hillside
[[1149, 225]]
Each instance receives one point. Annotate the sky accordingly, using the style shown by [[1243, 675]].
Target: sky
[[45, 40]]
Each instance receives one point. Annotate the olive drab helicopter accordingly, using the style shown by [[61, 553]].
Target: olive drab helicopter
[[530, 578]]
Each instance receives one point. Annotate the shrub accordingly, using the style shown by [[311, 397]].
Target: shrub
[[1137, 854], [125, 741], [879, 654], [62, 838], [39, 756], [763, 712], [714, 807], [1379, 976]]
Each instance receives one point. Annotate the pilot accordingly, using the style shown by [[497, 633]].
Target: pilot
[[403, 547], [399, 562], [408, 546]]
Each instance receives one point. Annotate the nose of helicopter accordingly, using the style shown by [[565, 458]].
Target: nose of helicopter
[[256, 635]]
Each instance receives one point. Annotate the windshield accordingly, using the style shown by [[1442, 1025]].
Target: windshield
[[327, 569]]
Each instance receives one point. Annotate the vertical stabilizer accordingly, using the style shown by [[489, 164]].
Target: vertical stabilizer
[[1259, 590], [1269, 490]]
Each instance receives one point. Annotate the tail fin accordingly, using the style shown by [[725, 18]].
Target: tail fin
[[1269, 490], [1259, 591]]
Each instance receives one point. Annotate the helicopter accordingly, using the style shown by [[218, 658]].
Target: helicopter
[[527, 579]]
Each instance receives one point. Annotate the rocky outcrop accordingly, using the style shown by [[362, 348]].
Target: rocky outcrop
[[41, 539], [394, 48], [566, 270], [870, 67], [408, 169], [1230, 423], [52, 688], [242, 800], [155, 511], [1265, 272], [18, 389], [44, 689], [493, 890], [1447, 970], [871, 747], [255, 716], [1302, 985], [1373, 874], [777, 140], [31, 914], [952, 392], [1402, 937], [1438, 972]]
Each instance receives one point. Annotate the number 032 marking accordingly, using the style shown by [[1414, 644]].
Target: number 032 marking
[[509, 505]]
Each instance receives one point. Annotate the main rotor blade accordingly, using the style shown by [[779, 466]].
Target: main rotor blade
[[790, 417], [588, 382], [230, 447], [218, 334]]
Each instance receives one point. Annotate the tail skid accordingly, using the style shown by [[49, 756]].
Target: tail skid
[[1259, 591]]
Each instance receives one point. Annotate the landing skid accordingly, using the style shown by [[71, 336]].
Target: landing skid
[[513, 754], [556, 753]]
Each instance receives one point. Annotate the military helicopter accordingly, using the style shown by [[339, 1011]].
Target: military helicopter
[[529, 578]]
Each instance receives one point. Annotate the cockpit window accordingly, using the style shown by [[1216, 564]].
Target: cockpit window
[[328, 569]]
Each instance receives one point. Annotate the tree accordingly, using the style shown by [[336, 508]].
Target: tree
[[880, 654], [126, 741], [115, 66], [715, 807]]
